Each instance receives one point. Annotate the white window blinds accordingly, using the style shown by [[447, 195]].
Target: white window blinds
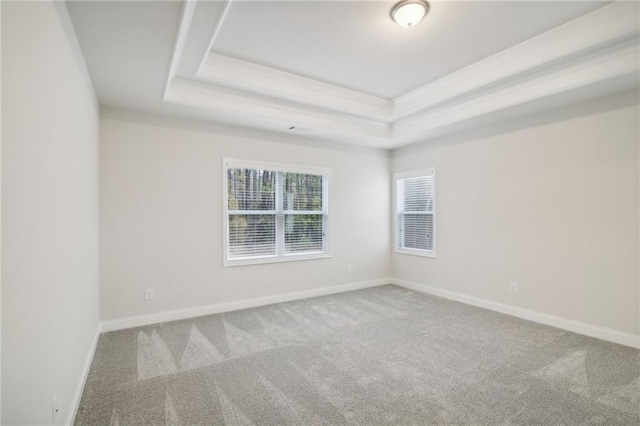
[[415, 212], [275, 213]]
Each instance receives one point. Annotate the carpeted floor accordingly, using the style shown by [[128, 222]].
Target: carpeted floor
[[384, 355]]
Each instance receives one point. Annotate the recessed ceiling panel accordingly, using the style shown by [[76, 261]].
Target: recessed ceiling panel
[[356, 45], [131, 48]]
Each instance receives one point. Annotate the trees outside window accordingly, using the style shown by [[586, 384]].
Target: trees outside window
[[274, 212]]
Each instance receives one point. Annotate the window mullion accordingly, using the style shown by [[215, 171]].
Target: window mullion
[[401, 242], [279, 214], [325, 213]]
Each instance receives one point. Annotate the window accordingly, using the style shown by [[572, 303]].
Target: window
[[274, 213], [415, 212]]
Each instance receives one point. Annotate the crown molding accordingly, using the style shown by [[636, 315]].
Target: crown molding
[[598, 46], [611, 24], [583, 73], [226, 71], [186, 18], [215, 33], [216, 98]]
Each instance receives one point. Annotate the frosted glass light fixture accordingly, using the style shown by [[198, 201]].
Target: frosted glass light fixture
[[407, 13]]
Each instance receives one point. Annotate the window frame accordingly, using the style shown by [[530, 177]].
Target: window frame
[[231, 163], [430, 171]]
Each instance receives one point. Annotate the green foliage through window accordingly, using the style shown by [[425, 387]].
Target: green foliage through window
[[273, 213]]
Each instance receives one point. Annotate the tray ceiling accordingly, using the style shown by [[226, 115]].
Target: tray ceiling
[[344, 71], [354, 44]]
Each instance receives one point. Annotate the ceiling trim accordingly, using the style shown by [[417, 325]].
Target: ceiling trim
[[216, 31], [610, 24], [192, 93], [591, 71], [597, 46], [225, 71], [188, 12]]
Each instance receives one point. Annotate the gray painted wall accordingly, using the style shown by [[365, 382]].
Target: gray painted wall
[[549, 203], [50, 310], [161, 218]]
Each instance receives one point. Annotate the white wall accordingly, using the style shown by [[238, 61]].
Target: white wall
[[49, 213], [552, 206], [161, 214]]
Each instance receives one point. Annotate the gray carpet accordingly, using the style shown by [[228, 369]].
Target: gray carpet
[[384, 355]]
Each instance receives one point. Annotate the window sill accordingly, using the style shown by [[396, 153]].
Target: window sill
[[420, 253], [275, 259]]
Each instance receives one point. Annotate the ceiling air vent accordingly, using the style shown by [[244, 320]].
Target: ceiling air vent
[[300, 129]]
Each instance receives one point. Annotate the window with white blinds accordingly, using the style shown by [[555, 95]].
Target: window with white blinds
[[415, 212], [274, 212]]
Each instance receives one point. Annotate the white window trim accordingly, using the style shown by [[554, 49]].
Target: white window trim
[[431, 171], [231, 163]]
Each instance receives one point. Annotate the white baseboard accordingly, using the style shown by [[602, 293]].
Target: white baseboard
[[615, 336], [159, 317], [75, 402], [608, 334]]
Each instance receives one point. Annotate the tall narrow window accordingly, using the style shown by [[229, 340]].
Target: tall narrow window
[[415, 222], [274, 213]]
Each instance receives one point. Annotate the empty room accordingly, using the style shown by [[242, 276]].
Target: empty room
[[334, 212]]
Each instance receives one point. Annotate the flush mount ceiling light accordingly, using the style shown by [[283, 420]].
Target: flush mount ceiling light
[[407, 13]]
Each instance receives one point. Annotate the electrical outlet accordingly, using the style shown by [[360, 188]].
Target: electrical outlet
[[350, 269], [514, 288], [148, 294], [54, 408]]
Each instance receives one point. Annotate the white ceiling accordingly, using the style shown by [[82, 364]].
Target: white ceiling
[[127, 47], [344, 71], [354, 44]]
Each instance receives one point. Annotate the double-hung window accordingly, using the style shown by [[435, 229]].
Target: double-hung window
[[415, 218], [274, 212]]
